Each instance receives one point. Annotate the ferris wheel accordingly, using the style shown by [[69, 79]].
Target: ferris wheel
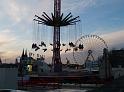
[[88, 48]]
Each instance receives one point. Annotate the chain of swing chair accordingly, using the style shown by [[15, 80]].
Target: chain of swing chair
[[39, 37]]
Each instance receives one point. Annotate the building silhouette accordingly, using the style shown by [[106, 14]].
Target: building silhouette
[[116, 58], [28, 65]]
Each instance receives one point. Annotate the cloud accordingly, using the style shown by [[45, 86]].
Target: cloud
[[13, 11], [5, 37], [2, 53], [114, 39], [16, 17], [6, 40], [77, 5]]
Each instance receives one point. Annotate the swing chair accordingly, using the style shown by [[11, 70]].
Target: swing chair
[[34, 45], [63, 44], [71, 44], [44, 49], [37, 48], [51, 44], [42, 44], [81, 46]]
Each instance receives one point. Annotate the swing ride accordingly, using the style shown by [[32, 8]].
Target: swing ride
[[67, 43], [87, 48], [56, 21]]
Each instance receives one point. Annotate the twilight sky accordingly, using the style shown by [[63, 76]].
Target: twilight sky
[[101, 17]]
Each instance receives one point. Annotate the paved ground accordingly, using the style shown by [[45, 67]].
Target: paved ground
[[116, 86], [63, 88]]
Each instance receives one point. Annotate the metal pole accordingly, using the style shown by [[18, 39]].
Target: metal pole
[[56, 38]]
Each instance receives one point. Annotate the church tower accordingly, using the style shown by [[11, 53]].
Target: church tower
[[23, 53], [0, 61], [24, 58], [26, 53], [24, 61]]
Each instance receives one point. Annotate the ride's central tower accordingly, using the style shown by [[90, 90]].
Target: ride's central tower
[[56, 21], [56, 60]]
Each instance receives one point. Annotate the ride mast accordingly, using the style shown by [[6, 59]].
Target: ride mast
[[56, 21]]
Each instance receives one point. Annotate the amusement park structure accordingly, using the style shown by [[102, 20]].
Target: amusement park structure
[[56, 21], [89, 49]]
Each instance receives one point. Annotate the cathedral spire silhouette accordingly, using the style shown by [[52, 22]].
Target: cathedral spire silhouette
[[0, 61], [23, 53], [26, 55]]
